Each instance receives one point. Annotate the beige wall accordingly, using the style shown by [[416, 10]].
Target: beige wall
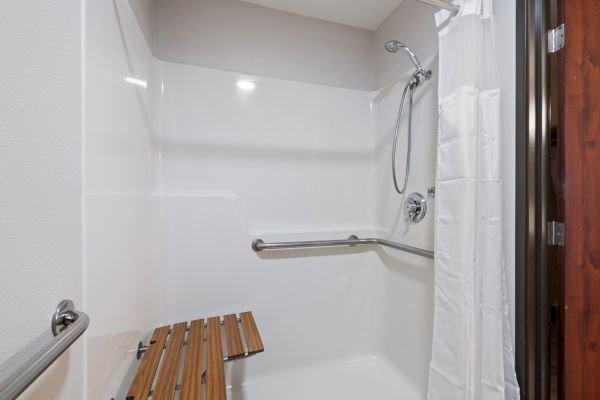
[[241, 37], [145, 14]]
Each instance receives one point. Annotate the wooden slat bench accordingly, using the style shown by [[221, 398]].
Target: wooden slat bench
[[202, 359]]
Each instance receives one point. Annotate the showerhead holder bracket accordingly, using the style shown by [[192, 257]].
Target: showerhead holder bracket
[[420, 76]]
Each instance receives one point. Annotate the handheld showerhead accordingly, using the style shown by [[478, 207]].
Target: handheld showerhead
[[394, 45], [420, 74], [413, 82]]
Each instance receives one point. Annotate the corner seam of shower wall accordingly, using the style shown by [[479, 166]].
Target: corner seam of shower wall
[[83, 194]]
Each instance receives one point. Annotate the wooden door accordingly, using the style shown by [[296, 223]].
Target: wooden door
[[579, 202]]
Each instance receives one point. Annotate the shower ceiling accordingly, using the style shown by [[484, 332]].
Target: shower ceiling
[[366, 14]]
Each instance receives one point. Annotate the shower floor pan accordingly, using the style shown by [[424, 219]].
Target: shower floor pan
[[363, 378]]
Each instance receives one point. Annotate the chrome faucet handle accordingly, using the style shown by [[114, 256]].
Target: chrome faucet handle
[[415, 207]]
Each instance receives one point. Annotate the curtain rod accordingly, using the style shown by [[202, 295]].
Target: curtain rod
[[442, 4]]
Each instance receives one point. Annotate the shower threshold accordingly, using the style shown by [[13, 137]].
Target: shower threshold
[[359, 379]]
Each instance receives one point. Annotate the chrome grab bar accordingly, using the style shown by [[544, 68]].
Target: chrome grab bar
[[67, 325], [353, 240]]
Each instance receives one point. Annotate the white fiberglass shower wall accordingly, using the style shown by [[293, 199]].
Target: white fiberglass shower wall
[[211, 123]]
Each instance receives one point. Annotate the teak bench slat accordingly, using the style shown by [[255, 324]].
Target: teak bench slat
[[215, 369], [235, 347], [253, 340], [191, 387], [167, 380]]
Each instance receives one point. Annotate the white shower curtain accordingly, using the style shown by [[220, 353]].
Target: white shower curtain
[[472, 356]]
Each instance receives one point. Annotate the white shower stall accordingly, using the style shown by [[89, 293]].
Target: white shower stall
[[210, 123]]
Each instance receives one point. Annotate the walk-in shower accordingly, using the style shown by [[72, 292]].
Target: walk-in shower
[[194, 131], [415, 80]]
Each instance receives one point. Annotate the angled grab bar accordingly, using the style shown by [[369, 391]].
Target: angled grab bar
[[353, 240], [67, 326]]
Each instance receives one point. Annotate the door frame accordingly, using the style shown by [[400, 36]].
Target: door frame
[[532, 302]]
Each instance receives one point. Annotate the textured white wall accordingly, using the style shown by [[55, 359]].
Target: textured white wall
[[241, 37], [40, 184]]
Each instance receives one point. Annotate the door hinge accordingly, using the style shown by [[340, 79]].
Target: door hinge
[[556, 39], [556, 233]]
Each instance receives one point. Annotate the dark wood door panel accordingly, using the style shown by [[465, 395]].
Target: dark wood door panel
[[582, 339], [579, 138]]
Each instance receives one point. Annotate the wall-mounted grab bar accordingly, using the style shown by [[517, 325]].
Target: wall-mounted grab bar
[[353, 240], [67, 325]]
